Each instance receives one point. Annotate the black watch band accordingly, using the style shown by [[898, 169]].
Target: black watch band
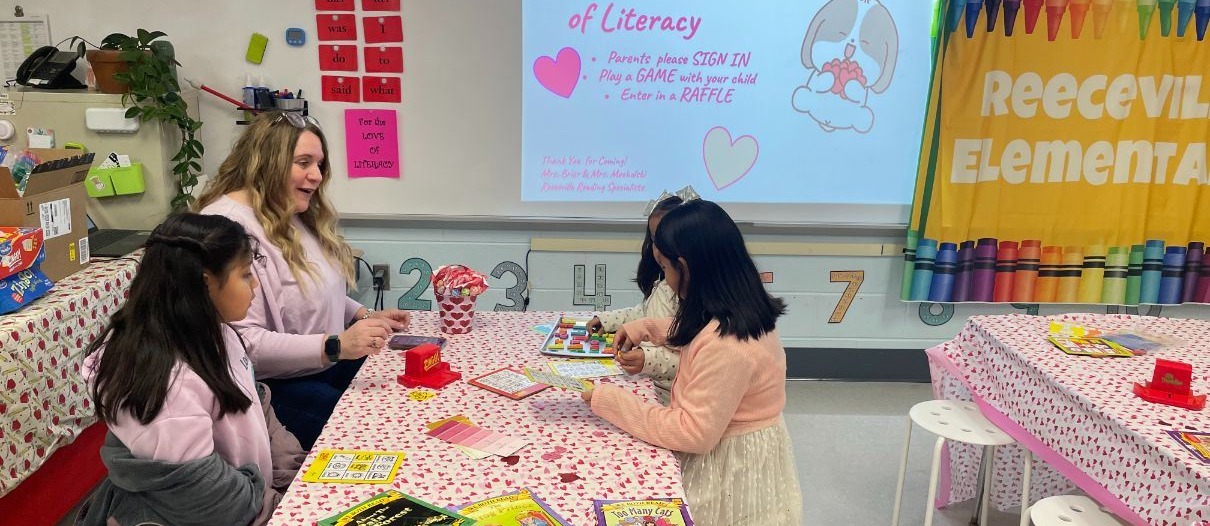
[[332, 348]]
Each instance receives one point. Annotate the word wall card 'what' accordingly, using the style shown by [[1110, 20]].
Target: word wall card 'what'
[[381, 89], [372, 143]]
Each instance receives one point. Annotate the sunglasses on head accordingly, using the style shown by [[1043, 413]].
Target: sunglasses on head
[[296, 119]]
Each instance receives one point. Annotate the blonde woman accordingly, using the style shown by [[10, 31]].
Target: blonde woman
[[307, 339]]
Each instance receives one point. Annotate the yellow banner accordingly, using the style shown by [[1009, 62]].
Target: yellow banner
[[1076, 142]]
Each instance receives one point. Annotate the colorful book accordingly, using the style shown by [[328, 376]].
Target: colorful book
[[587, 368], [519, 508], [1195, 442], [1087, 346], [354, 467], [651, 512], [398, 509]]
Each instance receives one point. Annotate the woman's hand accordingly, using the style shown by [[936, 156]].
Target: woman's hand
[[399, 319], [364, 338]]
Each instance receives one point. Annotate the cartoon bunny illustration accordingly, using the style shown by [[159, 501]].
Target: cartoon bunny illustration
[[850, 49]]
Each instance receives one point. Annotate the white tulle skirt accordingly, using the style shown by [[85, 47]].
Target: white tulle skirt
[[745, 480]]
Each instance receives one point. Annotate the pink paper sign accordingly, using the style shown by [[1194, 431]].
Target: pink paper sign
[[372, 143]]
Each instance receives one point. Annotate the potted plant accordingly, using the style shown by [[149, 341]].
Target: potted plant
[[147, 69]]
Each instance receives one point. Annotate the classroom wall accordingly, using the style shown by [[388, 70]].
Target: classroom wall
[[876, 319]]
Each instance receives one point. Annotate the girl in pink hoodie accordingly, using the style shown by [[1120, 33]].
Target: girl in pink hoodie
[[172, 381]]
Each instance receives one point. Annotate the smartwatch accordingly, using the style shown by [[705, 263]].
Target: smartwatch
[[332, 348]]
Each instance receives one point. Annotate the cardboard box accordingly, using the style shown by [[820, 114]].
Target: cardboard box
[[55, 202]]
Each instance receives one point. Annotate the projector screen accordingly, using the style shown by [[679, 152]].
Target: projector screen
[[778, 101]]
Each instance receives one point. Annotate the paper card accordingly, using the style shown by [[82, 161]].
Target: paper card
[[354, 467], [336, 26], [341, 57], [379, 29], [508, 382], [381, 89], [493, 442], [372, 143], [379, 5], [474, 454], [340, 89], [334, 5], [587, 369], [384, 59], [554, 380]]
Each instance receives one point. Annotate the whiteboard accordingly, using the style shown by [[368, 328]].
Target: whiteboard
[[459, 122]]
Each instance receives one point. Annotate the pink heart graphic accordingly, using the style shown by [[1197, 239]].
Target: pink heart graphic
[[728, 161], [560, 74]]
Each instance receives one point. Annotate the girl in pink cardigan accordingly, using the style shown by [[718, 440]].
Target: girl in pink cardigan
[[725, 417]]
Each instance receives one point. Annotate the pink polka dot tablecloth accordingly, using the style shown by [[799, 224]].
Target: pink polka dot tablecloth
[[573, 456], [44, 404], [1080, 416]]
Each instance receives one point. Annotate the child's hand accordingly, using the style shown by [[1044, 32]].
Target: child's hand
[[595, 326], [621, 341], [632, 360], [399, 319], [364, 338], [587, 394]]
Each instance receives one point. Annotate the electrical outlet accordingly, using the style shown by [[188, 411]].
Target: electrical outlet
[[386, 275]]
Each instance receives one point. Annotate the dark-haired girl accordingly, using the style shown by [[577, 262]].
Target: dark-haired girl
[[725, 417], [187, 442]]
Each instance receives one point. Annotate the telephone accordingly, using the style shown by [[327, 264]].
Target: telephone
[[49, 67]]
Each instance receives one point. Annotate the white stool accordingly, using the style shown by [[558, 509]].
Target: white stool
[[1071, 510], [960, 422]]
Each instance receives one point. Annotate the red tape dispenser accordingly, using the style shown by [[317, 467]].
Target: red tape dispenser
[[423, 368], [1170, 386]]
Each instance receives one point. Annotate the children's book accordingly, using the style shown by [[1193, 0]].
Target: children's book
[[519, 508], [508, 382], [1086, 346], [393, 508], [578, 385], [354, 467], [1197, 443], [651, 512], [571, 338], [587, 368]]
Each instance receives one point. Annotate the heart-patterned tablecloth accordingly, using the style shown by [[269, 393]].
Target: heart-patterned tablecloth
[[573, 456], [1083, 410], [44, 403]]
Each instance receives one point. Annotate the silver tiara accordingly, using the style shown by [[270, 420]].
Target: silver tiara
[[686, 194]]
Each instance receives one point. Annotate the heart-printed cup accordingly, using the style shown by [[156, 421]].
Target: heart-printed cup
[[456, 313], [561, 74], [727, 161]]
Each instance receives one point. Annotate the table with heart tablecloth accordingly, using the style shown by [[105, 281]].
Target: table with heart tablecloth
[[44, 404], [1079, 416], [573, 456]]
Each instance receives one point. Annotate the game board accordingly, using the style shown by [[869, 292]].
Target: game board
[[570, 338]]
